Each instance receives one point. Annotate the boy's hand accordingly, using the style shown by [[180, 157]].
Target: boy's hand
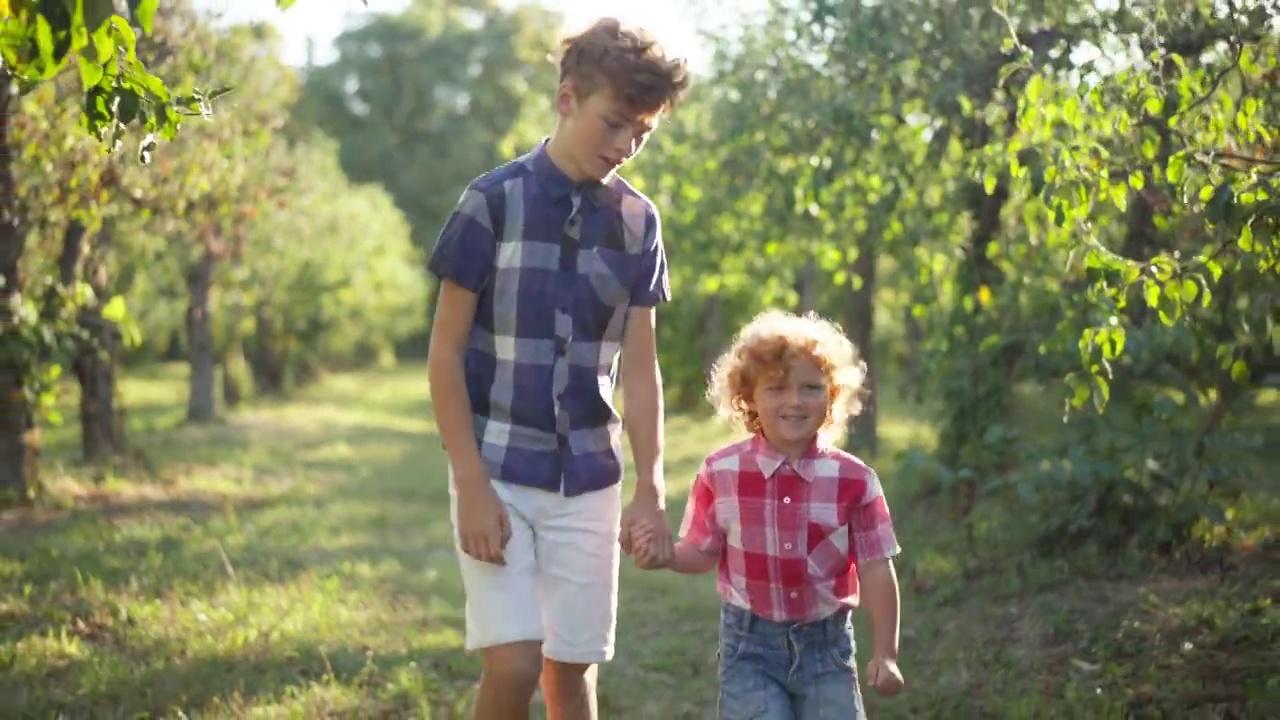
[[645, 511], [483, 525], [883, 674], [647, 547], [655, 551]]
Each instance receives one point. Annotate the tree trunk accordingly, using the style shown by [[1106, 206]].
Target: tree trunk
[[231, 392], [807, 285], [265, 363], [712, 331], [18, 440], [200, 350], [233, 352], [101, 419], [860, 321], [912, 385]]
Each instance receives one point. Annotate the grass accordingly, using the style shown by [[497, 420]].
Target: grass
[[294, 560]]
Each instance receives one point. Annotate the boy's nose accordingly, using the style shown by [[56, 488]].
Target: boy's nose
[[624, 149]]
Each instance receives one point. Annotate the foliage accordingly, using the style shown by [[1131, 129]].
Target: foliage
[[1079, 191], [412, 117], [265, 203]]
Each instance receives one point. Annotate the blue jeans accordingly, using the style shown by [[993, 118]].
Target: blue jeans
[[787, 671]]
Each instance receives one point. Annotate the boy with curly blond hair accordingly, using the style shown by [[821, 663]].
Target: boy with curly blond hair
[[798, 529], [550, 269]]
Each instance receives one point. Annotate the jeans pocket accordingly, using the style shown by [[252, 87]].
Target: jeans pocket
[[843, 651], [743, 695]]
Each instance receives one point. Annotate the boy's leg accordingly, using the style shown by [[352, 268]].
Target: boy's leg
[[754, 664], [830, 675], [578, 558], [503, 619]]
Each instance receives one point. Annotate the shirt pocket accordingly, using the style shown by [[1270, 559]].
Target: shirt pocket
[[609, 274], [828, 549]]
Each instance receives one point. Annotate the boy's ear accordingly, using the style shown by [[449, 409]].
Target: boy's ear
[[566, 98]]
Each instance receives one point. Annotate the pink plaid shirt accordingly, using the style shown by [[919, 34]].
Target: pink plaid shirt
[[789, 536]]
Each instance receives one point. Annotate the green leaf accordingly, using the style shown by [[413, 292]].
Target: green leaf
[[1151, 293], [1120, 196], [1245, 241], [1112, 341], [1239, 372], [104, 44], [145, 14], [1176, 168], [114, 311], [1101, 392], [989, 181], [1071, 111], [1137, 181], [1080, 392], [90, 72], [1189, 290], [1035, 89]]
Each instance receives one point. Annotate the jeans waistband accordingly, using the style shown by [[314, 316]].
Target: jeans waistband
[[746, 621]]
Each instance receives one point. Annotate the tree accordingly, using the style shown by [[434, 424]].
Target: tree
[[37, 41], [424, 101]]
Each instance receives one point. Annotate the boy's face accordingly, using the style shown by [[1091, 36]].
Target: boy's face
[[792, 407], [603, 133]]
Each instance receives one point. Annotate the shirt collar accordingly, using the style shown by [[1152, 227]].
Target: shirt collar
[[555, 183], [770, 460]]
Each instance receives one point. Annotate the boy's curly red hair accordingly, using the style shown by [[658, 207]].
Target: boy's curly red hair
[[767, 346]]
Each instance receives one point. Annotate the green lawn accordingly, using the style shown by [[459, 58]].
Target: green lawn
[[294, 560]]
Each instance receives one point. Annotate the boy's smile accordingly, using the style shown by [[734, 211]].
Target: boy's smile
[[792, 407]]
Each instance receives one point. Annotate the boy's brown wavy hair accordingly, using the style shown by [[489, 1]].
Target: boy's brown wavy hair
[[629, 61]]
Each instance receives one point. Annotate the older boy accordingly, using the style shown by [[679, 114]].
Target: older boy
[[550, 267]]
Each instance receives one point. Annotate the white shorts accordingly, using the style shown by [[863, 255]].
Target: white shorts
[[560, 583]]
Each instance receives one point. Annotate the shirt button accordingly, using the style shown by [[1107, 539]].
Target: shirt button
[[787, 546], [793, 594], [786, 501]]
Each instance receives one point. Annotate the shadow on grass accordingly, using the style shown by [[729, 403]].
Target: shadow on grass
[[160, 680]]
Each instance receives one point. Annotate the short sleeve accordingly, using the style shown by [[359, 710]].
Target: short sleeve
[[871, 532], [652, 284], [700, 527], [464, 251]]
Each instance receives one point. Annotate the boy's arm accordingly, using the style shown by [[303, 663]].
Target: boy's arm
[[463, 260], [880, 597], [701, 538], [689, 559], [643, 404], [455, 311], [642, 394], [642, 401], [875, 544]]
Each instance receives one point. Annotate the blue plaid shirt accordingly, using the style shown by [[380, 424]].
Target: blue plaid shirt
[[555, 267]]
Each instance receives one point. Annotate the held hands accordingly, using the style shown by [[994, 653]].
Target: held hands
[[648, 547], [645, 536], [483, 525], [883, 674]]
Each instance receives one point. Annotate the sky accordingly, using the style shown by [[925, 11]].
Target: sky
[[674, 21]]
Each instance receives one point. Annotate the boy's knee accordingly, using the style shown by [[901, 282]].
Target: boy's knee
[[569, 672], [515, 667]]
